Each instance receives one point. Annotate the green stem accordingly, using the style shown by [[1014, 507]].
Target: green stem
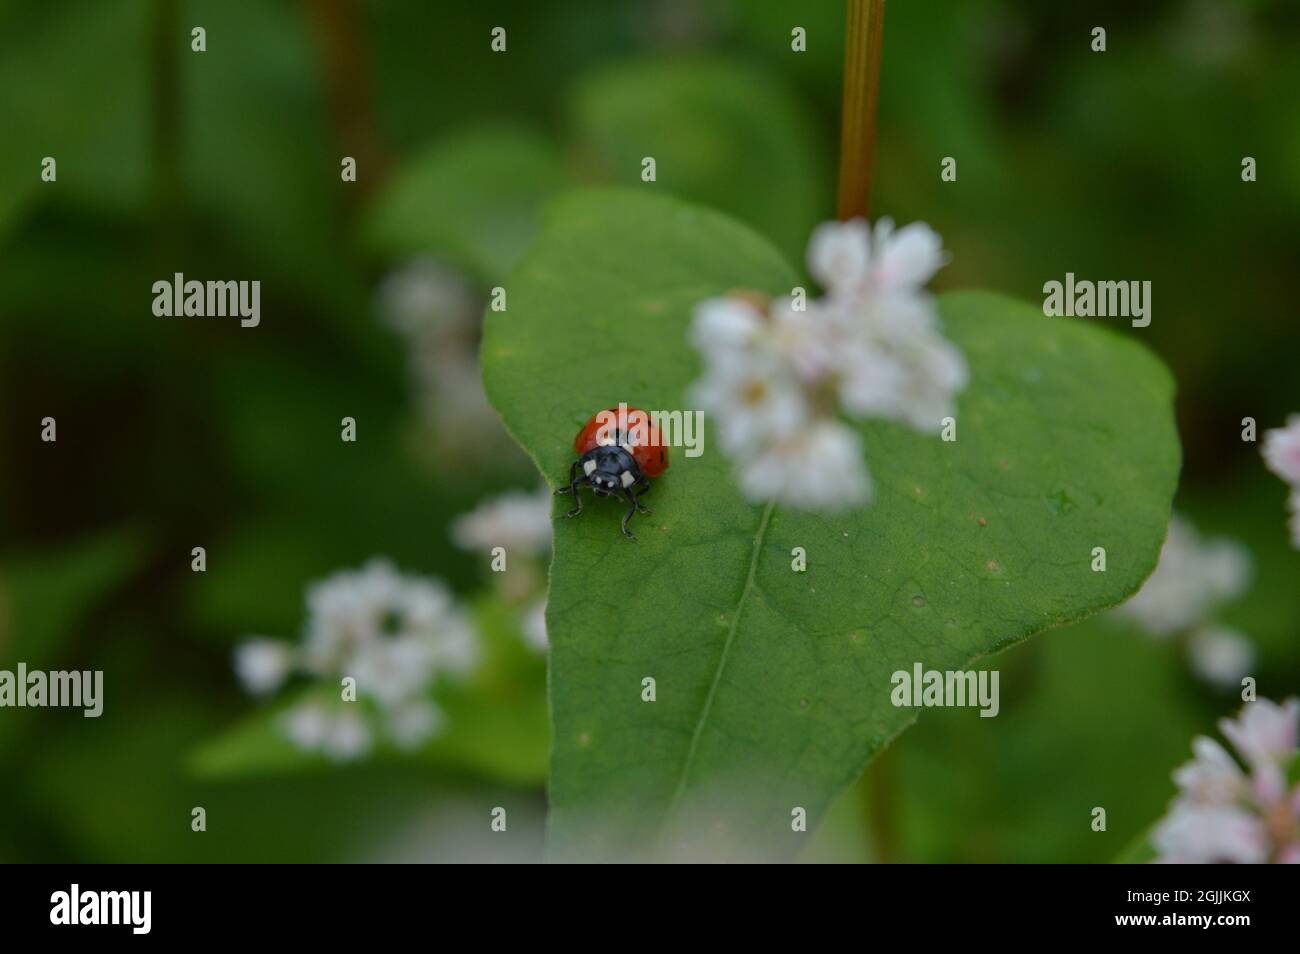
[[863, 34]]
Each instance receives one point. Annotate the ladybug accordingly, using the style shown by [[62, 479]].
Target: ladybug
[[619, 449]]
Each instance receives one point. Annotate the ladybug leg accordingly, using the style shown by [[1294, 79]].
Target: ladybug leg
[[574, 482], [573, 489], [642, 490], [630, 514]]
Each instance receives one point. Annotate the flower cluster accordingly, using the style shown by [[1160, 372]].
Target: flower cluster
[[1282, 455], [436, 312], [1225, 814], [1191, 580], [779, 374], [519, 523], [393, 634]]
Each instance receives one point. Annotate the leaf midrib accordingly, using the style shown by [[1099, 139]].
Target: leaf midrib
[[689, 761]]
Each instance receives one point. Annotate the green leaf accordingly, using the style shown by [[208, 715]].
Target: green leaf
[[1139, 851], [720, 133], [774, 687], [45, 596], [496, 737], [73, 86], [473, 198]]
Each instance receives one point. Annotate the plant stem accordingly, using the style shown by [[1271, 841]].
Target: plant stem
[[864, 30], [879, 789], [340, 36]]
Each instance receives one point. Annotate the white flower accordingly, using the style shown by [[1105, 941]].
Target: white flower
[[307, 726], [1222, 814], [394, 634], [393, 668], [518, 521], [1220, 656], [726, 324], [521, 523], [777, 377], [1264, 732], [820, 468], [1190, 579], [437, 312], [351, 610], [892, 362], [424, 296], [413, 722], [880, 328], [457, 651], [870, 382], [839, 253], [1213, 777], [348, 737], [262, 665], [429, 637], [1281, 450], [848, 258], [1220, 834], [906, 259], [753, 400], [344, 610], [806, 340], [337, 730]]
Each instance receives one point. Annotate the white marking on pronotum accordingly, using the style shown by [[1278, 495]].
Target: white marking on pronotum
[[588, 467], [627, 478]]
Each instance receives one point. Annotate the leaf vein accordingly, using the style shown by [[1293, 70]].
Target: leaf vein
[[722, 665]]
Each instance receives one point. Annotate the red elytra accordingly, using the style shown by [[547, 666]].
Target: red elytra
[[635, 431]]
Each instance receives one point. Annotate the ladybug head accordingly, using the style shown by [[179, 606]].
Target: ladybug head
[[603, 485], [609, 470]]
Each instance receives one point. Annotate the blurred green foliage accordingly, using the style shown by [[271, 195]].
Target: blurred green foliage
[[225, 164], [474, 197], [720, 132]]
